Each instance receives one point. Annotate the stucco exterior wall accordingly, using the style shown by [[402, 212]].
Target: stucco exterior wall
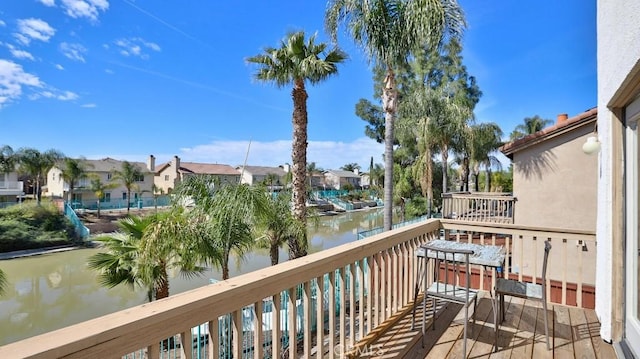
[[555, 183], [618, 54]]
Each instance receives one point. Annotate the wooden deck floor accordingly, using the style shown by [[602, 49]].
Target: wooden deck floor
[[574, 331]]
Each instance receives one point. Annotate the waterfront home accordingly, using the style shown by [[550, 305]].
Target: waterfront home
[[337, 179], [274, 177], [103, 169], [10, 187], [170, 174]]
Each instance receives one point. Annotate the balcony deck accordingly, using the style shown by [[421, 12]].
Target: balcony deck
[[574, 331]]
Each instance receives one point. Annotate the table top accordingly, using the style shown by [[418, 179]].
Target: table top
[[483, 254]]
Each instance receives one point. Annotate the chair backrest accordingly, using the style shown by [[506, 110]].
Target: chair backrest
[[547, 249]]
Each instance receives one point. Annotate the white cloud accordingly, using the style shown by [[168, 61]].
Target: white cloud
[[18, 53], [48, 2], [135, 47], [33, 29], [2, 23], [13, 79], [85, 8], [326, 154], [89, 105], [109, 71], [73, 51], [59, 67], [54, 94]]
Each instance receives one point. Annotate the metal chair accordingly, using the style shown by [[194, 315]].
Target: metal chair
[[519, 289], [450, 288]]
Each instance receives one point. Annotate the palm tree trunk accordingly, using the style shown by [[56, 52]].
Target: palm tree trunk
[[389, 103], [162, 289], [98, 208], [273, 253], [299, 159], [38, 190], [128, 200], [487, 183], [445, 167]]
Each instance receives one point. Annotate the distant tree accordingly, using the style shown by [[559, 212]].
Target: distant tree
[[374, 116], [391, 32], [530, 126], [487, 138], [128, 176], [276, 225], [312, 169], [36, 164], [351, 167], [73, 170], [156, 192], [8, 159], [377, 174], [294, 63], [99, 188]]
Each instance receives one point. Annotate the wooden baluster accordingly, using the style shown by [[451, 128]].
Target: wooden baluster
[[343, 309], [236, 325], [186, 347], [153, 351], [258, 337], [320, 317], [352, 305], [276, 332], [332, 314], [306, 296], [377, 268], [292, 321], [361, 299], [213, 344], [370, 293]]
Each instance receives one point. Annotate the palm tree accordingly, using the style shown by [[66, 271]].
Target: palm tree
[[222, 218], [128, 176], [73, 170], [156, 192], [143, 251], [296, 62], [351, 167], [277, 225], [487, 137], [3, 282], [390, 32], [99, 188], [36, 164], [530, 126]]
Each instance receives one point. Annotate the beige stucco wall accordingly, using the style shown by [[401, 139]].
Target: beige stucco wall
[[166, 180], [555, 183]]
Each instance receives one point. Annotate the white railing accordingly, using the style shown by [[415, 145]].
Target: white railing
[[487, 207], [11, 185], [364, 284]]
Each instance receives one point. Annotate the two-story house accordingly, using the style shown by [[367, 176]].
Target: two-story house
[[273, 177], [10, 187], [338, 179], [170, 174], [104, 170]]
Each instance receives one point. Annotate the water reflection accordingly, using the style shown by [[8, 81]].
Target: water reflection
[[49, 292]]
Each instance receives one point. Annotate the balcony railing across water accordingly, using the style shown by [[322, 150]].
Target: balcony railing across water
[[325, 304], [479, 207]]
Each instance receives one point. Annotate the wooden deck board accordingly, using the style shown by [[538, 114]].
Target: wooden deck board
[[574, 334]]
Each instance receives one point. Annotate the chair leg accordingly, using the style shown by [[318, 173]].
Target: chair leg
[[546, 325], [466, 321], [413, 317]]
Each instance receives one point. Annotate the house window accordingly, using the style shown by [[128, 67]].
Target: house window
[[140, 178], [53, 176], [166, 177], [109, 176], [77, 197], [124, 196], [107, 197]]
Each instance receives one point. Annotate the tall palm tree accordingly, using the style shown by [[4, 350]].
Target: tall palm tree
[[99, 188], [73, 170], [3, 282], [351, 167], [277, 225], [530, 126], [390, 32], [36, 164], [128, 176], [222, 218], [143, 251], [296, 62], [487, 137]]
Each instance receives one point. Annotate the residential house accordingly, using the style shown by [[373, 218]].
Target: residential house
[[338, 179], [274, 177], [550, 168], [316, 180], [104, 170], [10, 187], [365, 180], [170, 174], [618, 197]]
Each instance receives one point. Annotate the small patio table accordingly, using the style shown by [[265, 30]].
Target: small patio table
[[488, 256]]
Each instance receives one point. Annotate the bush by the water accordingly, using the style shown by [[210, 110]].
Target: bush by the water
[[29, 226]]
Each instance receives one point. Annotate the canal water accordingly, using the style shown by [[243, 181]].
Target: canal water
[[52, 291]]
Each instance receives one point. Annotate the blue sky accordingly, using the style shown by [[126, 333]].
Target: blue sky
[[125, 78]]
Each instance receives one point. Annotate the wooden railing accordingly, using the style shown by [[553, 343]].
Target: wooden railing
[[342, 296], [479, 207]]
